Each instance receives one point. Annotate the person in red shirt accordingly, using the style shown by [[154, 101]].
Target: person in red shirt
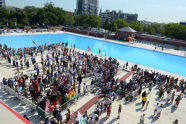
[[109, 110], [99, 51], [51, 109], [20, 81]]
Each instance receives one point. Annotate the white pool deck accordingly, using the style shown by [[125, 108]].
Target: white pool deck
[[130, 112], [9, 116]]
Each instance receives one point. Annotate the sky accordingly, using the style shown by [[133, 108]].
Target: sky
[[162, 11]]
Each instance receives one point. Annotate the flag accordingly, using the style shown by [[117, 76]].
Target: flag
[[81, 119], [35, 43]]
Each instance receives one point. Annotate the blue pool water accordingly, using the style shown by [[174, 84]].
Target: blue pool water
[[162, 61]]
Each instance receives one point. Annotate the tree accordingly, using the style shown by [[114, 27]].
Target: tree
[[171, 29], [21, 17], [76, 20], [151, 30], [40, 17], [136, 26], [83, 20], [106, 24], [113, 26], [121, 23], [31, 12], [69, 20], [145, 28], [4, 14], [94, 21], [158, 28], [175, 30]]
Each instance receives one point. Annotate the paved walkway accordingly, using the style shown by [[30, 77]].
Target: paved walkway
[[126, 76], [9, 116]]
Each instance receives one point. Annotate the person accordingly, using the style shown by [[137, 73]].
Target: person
[[59, 117], [51, 109], [147, 105], [21, 63], [139, 92], [159, 111], [177, 100], [90, 121], [144, 94], [172, 97], [144, 100], [27, 64], [109, 110], [16, 62], [126, 65], [176, 121], [94, 115], [156, 108], [142, 119], [46, 120], [84, 88], [119, 110], [99, 51], [89, 49], [68, 115], [169, 96]]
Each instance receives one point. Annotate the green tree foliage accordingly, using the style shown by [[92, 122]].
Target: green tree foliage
[[158, 28], [106, 24], [149, 29], [86, 21], [113, 26], [121, 23], [30, 15], [174, 30], [4, 14], [50, 15], [94, 21], [136, 26]]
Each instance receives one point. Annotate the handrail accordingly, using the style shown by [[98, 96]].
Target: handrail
[[41, 112]]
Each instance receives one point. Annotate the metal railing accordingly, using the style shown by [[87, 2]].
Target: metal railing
[[24, 100]]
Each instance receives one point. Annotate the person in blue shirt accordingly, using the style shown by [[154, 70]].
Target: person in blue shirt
[[37, 69], [4, 81], [55, 75], [59, 117]]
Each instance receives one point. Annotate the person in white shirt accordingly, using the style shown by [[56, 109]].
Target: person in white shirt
[[84, 88], [159, 111], [156, 108], [142, 118], [94, 115], [169, 96]]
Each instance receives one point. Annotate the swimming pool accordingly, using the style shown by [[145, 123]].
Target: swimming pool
[[157, 60]]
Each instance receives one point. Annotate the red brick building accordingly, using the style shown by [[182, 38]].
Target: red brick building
[[126, 34]]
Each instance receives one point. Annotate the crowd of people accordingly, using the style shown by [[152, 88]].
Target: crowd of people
[[58, 76], [141, 84], [59, 72]]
